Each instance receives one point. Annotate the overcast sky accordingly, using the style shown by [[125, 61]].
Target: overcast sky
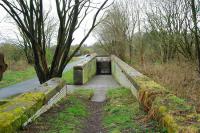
[[8, 30]]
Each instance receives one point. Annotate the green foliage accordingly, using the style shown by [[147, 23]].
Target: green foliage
[[13, 77], [122, 114]]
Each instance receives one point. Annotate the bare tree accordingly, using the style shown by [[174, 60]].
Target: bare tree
[[196, 30], [116, 32], [50, 34], [29, 16], [25, 45], [50, 30]]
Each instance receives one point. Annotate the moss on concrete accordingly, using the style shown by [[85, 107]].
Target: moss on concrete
[[172, 112], [85, 71], [16, 111], [175, 114], [51, 87]]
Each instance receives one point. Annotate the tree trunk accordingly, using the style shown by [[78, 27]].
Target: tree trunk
[[194, 17]]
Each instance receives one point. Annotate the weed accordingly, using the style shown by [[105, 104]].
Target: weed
[[123, 114]]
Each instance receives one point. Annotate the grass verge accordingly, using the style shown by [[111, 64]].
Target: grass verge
[[123, 114], [66, 117], [69, 77], [13, 77]]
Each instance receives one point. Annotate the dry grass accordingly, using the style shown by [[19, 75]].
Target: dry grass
[[181, 78], [17, 66]]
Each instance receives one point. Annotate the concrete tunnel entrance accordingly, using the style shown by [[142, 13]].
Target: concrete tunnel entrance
[[103, 65]]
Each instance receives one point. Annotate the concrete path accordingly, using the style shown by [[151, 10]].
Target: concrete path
[[100, 83], [29, 85]]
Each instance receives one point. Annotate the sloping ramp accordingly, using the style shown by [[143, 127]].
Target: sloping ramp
[[100, 83]]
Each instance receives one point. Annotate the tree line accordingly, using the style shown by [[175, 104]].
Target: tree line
[[160, 30]]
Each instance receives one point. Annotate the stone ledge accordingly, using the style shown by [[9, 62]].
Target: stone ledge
[[15, 112], [50, 88], [173, 113], [86, 61]]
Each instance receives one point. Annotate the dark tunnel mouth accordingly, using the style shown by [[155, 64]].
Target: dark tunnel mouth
[[103, 65]]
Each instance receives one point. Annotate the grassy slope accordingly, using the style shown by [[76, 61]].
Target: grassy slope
[[13, 77], [123, 114]]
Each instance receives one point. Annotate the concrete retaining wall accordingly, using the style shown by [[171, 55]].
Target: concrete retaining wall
[[84, 71], [22, 109], [173, 113]]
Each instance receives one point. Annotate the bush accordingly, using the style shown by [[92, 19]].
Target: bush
[[12, 52]]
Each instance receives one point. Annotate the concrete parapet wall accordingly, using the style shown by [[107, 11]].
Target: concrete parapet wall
[[121, 77], [16, 112], [84, 71], [173, 113]]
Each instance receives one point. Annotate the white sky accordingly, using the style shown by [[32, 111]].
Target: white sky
[[8, 30]]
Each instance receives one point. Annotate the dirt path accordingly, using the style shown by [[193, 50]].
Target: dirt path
[[101, 84], [93, 124]]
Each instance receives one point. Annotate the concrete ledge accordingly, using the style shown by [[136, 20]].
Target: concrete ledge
[[50, 88], [15, 112], [56, 98], [84, 71], [172, 112]]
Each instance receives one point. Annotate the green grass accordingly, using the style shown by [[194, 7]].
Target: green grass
[[122, 114], [13, 77], [69, 114], [68, 77], [69, 118]]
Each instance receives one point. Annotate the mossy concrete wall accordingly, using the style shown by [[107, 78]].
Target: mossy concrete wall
[[84, 71], [119, 75], [173, 113], [15, 112]]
